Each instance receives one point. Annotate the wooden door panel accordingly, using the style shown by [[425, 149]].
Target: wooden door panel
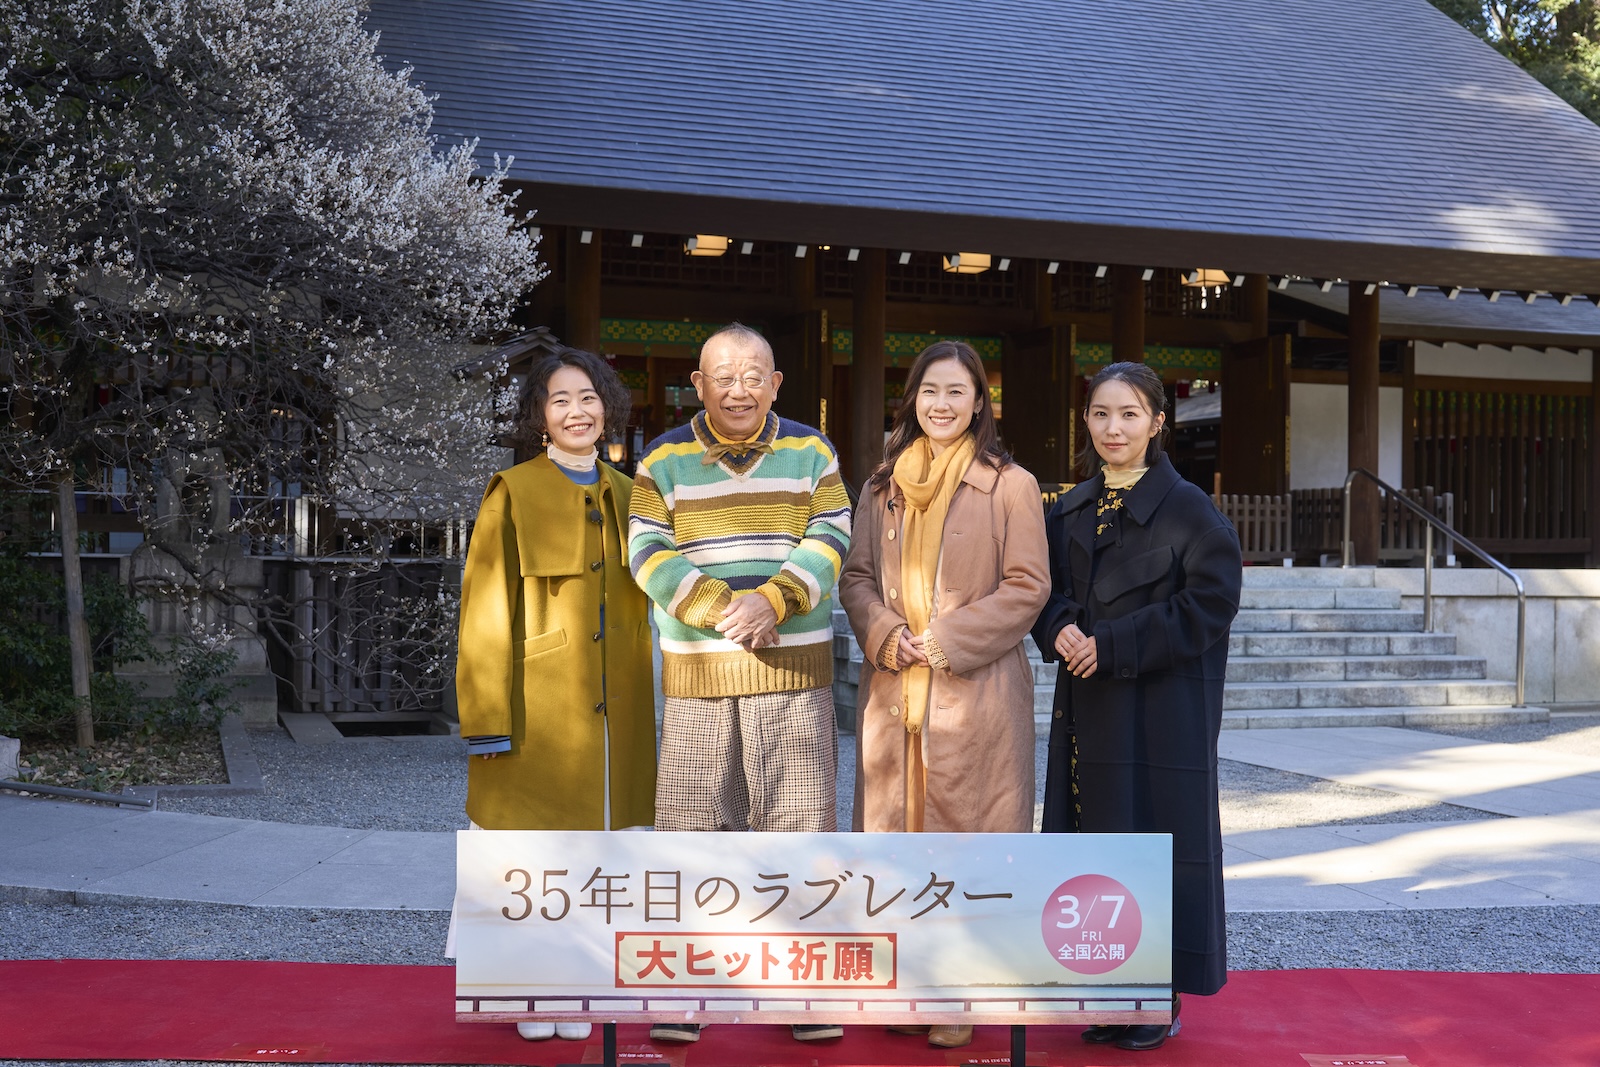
[[1255, 416], [804, 353], [1039, 393]]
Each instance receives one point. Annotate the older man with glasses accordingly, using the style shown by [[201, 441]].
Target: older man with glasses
[[739, 524]]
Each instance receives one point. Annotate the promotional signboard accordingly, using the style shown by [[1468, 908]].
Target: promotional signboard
[[851, 928]]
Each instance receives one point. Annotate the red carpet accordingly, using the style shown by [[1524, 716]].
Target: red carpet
[[308, 1012]]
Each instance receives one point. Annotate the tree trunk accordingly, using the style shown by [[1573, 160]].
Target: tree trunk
[[77, 624]]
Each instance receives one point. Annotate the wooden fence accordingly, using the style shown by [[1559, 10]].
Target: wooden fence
[[362, 640], [1309, 524], [1266, 534], [1319, 524], [313, 526], [1516, 463]]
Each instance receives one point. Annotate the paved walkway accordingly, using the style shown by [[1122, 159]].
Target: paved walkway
[[1539, 843], [1547, 852], [100, 853]]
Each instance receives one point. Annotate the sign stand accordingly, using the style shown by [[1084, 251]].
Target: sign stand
[[608, 1050], [1019, 1049]]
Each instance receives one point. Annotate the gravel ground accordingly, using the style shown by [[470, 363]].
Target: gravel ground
[[369, 783], [1563, 940], [188, 931], [1576, 733], [419, 783], [1263, 798]]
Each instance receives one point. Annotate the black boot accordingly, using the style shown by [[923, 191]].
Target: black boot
[[1104, 1035], [1147, 1036]]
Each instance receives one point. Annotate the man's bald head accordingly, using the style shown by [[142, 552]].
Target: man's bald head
[[731, 341], [736, 381]]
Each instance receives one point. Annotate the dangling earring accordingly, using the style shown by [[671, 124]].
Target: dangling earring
[[544, 439]]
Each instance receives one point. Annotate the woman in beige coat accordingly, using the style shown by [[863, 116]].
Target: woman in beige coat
[[948, 568]]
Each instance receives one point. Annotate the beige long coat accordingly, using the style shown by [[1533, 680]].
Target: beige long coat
[[578, 702], [994, 577]]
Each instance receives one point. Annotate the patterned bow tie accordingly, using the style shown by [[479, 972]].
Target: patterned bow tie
[[715, 452]]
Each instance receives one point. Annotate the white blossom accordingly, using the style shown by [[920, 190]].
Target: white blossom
[[233, 257]]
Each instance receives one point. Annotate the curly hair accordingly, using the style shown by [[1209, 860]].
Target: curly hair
[[614, 395]]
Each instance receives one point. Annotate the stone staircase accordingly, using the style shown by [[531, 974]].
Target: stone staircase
[[1325, 647], [1310, 647]]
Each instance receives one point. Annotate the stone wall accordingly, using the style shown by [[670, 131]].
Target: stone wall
[[1479, 606]]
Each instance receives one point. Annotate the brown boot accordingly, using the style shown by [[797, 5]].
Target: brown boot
[[950, 1036]]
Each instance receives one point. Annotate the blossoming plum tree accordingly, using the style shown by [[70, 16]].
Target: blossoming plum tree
[[234, 259]]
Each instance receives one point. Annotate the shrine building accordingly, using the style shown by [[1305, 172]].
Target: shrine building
[[1347, 235]]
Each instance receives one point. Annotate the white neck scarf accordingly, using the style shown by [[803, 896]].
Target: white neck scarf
[[573, 461]]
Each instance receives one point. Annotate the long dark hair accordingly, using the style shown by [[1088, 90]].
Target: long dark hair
[[536, 390], [906, 429], [1143, 381]]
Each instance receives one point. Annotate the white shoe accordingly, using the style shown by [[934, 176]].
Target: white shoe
[[574, 1031], [536, 1031]]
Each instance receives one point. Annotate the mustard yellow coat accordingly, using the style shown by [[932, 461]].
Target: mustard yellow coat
[[533, 662]]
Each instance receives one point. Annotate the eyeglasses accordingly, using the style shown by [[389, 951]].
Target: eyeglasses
[[751, 382]]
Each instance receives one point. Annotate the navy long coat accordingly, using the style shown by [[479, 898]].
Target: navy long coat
[[1158, 601]]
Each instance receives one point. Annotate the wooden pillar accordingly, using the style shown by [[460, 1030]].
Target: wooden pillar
[[1044, 295], [1408, 416], [799, 276], [1592, 505], [1127, 314], [583, 291], [869, 324], [655, 399], [1255, 303], [1363, 421], [802, 345]]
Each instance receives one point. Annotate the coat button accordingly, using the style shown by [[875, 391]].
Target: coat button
[[600, 706], [597, 636], [1058, 713], [891, 535], [895, 711], [893, 595], [1127, 672], [597, 564]]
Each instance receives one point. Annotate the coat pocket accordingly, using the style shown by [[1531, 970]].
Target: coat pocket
[[1142, 570], [544, 642]]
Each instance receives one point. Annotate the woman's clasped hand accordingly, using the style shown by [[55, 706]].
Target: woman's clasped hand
[[1077, 650]]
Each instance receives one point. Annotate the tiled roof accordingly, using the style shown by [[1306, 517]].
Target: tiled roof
[[1470, 318], [1292, 136]]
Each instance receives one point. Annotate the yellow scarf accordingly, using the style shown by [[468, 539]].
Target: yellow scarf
[[928, 483]]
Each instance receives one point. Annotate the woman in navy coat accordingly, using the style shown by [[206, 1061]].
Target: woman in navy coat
[[1145, 575]]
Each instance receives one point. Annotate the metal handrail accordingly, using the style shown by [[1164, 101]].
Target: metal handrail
[[1348, 551]]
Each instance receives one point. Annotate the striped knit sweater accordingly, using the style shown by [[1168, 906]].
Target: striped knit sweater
[[749, 524]]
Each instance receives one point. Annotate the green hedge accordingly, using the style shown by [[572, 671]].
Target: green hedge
[[36, 701]]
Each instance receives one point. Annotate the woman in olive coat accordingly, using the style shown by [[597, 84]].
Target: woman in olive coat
[[553, 670], [1145, 575]]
